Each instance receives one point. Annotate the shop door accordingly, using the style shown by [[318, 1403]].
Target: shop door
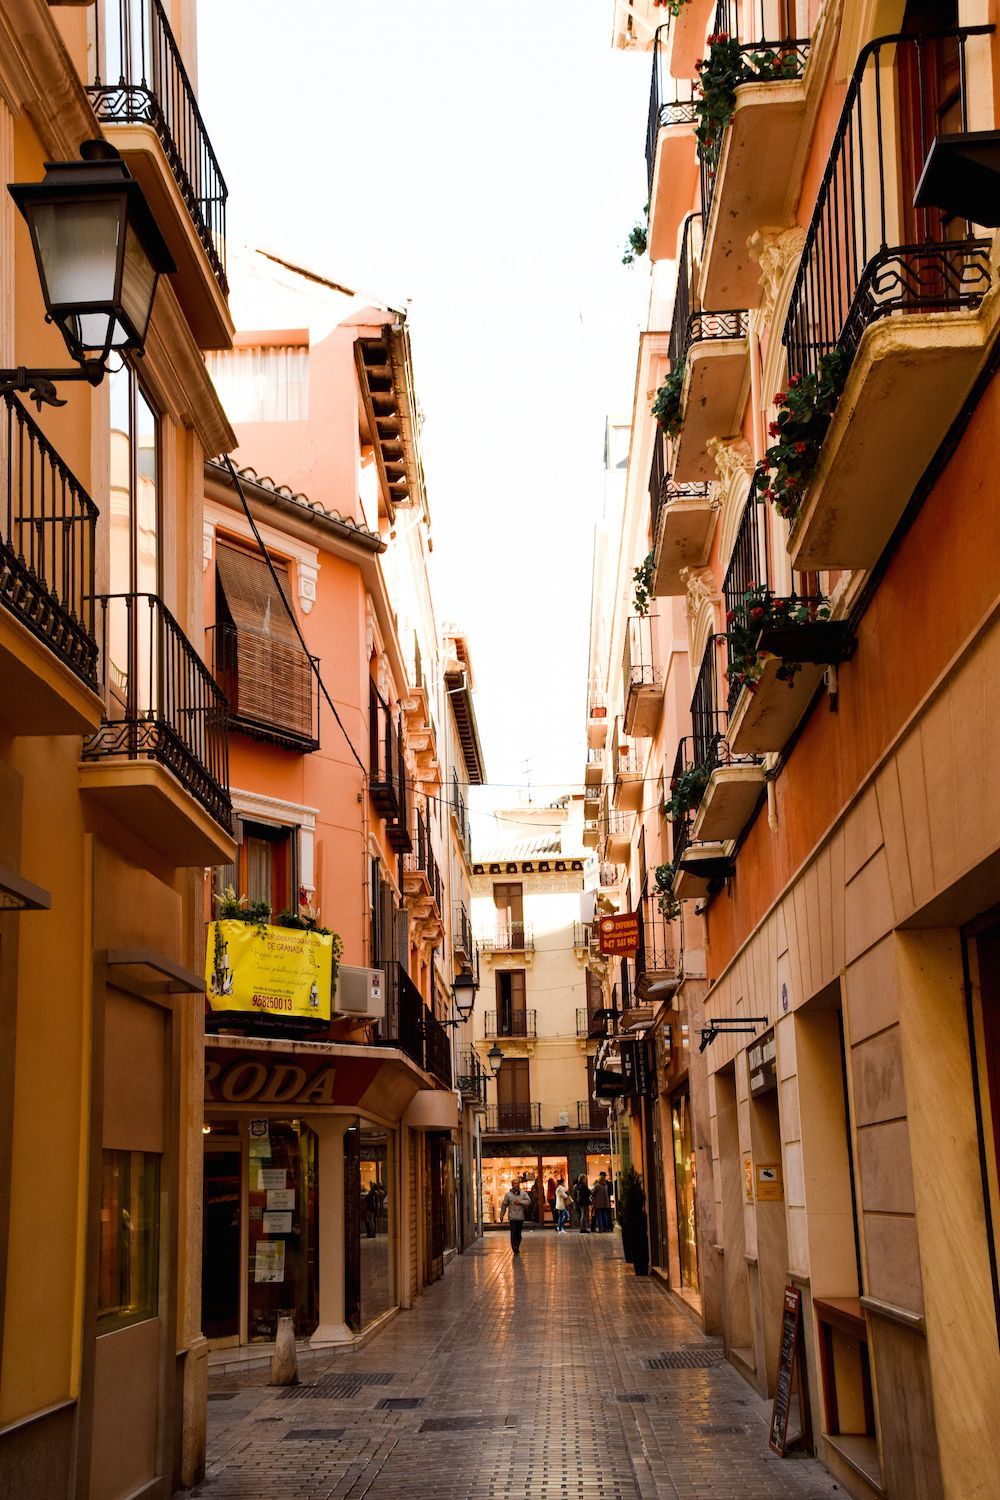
[[220, 1249]]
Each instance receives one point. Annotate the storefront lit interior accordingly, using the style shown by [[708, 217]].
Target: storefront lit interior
[[534, 1174]]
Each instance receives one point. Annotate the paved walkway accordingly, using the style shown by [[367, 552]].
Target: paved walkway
[[524, 1380]]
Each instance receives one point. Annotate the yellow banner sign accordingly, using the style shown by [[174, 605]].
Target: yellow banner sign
[[276, 971]]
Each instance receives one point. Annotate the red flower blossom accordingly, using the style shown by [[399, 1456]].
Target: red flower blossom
[[795, 380], [773, 429], [800, 447], [780, 397], [757, 613], [730, 617]]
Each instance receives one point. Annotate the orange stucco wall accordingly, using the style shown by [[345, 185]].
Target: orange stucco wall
[[938, 586]]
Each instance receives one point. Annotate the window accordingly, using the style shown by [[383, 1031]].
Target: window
[[259, 661], [128, 1276], [266, 867], [512, 1015], [514, 1094], [263, 382], [134, 487], [508, 898]]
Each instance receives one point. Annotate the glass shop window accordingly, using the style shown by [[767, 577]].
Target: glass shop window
[[128, 1276]]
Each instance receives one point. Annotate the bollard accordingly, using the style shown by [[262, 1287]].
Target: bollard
[[284, 1361]]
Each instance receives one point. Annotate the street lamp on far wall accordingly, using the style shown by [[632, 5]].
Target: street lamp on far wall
[[495, 1058], [99, 256], [463, 991]]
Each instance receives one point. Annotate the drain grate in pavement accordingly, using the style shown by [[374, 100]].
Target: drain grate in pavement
[[690, 1358], [466, 1424], [401, 1403], [632, 1398], [314, 1434], [335, 1387], [720, 1430]]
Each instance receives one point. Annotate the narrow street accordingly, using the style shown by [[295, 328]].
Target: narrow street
[[526, 1378]]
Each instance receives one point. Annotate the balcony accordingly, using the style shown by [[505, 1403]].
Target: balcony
[[893, 290], [143, 98], [657, 968], [48, 651], [711, 348], [510, 1024], [597, 722], [752, 177], [387, 779], [462, 944], [591, 1116], [505, 1119], [159, 762], [422, 888], [437, 1049], [627, 788], [617, 833], [410, 1025], [727, 787], [682, 518], [642, 679], [471, 1080], [460, 817], [594, 774], [607, 877], [591, 833], [509, 937], [270, 685], [687, 36], [671, 163], [583, 938]]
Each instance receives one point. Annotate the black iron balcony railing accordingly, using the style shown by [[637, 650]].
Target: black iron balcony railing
[[437, 1049], [420, 859], [140, 78], [627, 762], [663, 491], [383, 762], [506, 1118], [270, 684], [867, 252], [709, 719], [510, 937], [463, 945], [691, 324], [510, 1023], [48, 523], [763, 60], [671, 100], [590, 1115], [161, 701], [460, 813], [471, 1080], [656, 955], [639, 668]]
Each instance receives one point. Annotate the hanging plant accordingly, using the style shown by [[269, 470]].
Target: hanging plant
[[233, 908], [804, 413], [666, 406], [673, 6], [638, 240], [686, 791], [643, 579], [667, 902], [761, 610]]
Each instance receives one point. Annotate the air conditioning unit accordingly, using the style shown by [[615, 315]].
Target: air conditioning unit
[[360, 993]]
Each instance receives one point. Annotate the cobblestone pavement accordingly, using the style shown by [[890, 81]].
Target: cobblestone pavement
[[511, 1380]]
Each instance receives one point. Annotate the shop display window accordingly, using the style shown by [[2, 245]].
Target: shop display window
[[684, 1187], [369, 1259], [128, 1276], [282, 1276]]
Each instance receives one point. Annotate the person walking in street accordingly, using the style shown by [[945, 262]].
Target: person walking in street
[[584, 1198], [550, 1197], [514, 1204], [564, 1199], [602, 1204]]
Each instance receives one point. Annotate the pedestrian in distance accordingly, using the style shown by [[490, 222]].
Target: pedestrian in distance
[[564, 1201], [550, 1197], [584, 1197], [602, 1204], [514, 1204]]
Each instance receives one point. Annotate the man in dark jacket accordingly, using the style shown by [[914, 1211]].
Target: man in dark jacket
[[602, 1204], [584, 1198]]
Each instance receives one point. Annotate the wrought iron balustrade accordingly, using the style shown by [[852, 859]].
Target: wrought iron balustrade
[[270, 685], [140, 79], [510, 937], [709, 718], [671, 100], [680, 828], [690, 323], [48, 525], [420, 859], [506, 1118], [639, 667], [627, 761], [437, 1048], [383, 756], [471, 1080], [657, 952], [462, 940], [590, 1115], [506, 1023], [161, 701], [868, 253], [763, 59], [403, 1024], [460, 813]]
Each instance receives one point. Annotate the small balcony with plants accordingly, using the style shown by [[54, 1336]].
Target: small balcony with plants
[[143, 97], [779, 647], [642, 674], [682, 520], [715, 789], [597, 719], [753, 95], [627, 770], [671, 163], [48, 647], [883, 337], [707, 358], [158, 763], [695, 866], [657, 961]]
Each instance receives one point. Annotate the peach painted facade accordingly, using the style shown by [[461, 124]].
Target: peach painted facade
[[818, 756]]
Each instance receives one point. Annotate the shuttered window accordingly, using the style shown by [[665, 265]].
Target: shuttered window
[[260, 663]]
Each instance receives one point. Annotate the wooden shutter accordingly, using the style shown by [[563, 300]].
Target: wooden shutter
[[270, 680]]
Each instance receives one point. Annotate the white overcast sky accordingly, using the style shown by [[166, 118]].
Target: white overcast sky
[[482, 161]]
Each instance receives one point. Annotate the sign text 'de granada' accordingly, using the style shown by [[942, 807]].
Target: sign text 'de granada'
[[619, 933], [272, 971]]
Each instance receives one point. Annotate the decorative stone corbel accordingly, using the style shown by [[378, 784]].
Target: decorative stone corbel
[[307, 574], [700, 586], [733, 461], [774, 250]]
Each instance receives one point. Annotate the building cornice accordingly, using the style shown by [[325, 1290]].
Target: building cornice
[[38, 78]]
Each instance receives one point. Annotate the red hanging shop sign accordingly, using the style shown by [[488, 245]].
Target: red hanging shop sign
[[619, 933]]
